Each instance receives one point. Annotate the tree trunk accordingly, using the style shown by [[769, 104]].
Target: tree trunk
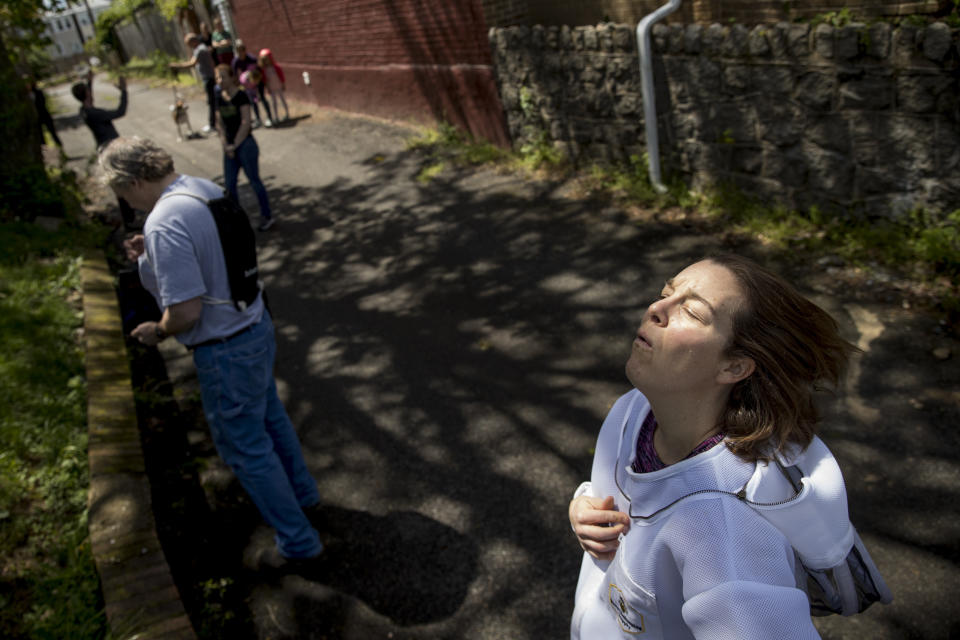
[[93, 22], [76, 24], [25, 190]]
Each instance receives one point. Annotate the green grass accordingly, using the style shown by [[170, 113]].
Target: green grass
[[48, 584], [156, 68]]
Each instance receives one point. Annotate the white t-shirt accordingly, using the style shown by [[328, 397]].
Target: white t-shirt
[[183, 259], [708, 567]]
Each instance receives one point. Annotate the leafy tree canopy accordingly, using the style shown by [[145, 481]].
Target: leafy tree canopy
[[171, 8], [22, 18]]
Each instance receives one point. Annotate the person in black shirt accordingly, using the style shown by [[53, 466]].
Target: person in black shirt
[[240, 150], [100, 122], [43, 114]]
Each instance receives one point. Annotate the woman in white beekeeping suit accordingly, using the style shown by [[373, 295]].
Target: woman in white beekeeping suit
[[724, 365]]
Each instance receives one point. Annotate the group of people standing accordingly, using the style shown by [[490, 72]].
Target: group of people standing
[[234, 84], [259, 76]]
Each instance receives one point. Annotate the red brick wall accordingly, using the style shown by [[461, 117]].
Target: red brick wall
[[421, 60]]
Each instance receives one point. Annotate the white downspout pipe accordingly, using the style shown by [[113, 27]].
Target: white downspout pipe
[[646, 85]]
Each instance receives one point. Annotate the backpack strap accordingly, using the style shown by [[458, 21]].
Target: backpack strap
[[209, 300]]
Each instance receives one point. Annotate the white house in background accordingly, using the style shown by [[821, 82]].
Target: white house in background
[[62, 29]]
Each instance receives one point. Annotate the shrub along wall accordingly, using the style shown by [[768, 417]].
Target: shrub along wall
[[862, 118]]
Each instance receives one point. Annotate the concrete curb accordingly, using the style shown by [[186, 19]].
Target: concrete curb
[[140, 596]]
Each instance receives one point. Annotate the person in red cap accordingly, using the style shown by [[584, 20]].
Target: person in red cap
[[274, 80]]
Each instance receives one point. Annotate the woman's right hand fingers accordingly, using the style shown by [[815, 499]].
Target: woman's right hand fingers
[[598, 525], [600, 551]]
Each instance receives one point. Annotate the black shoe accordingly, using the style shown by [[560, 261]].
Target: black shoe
[[266, 224], [271, 561]]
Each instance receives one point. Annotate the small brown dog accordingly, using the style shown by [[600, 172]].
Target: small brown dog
[[179, 111]]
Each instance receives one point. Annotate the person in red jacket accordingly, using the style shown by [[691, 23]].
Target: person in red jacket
[[274, 80]]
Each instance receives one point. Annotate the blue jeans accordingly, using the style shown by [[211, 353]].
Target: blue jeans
[[247, 156], [254, 435]]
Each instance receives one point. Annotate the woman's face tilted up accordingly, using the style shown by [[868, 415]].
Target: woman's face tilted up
[[681, 343]]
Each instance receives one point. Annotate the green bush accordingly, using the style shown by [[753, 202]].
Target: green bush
[[936, 242], [539, 153]]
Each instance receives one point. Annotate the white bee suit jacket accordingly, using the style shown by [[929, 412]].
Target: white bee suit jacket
[[707, 567]]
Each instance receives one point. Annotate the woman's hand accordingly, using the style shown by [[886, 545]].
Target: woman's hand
[[230, 150], [598, 525]]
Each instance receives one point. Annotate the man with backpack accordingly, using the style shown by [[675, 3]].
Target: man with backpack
[[212, 304]]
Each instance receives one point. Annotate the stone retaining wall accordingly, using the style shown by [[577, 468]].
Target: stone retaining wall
[[862, 118]]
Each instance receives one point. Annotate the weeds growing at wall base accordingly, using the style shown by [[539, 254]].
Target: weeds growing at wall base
[[448, 146], [923, 245], [48, 584]]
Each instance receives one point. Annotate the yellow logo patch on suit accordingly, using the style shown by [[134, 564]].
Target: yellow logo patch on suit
[[630, 620]]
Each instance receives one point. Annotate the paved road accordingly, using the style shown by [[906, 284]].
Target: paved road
[[448, 351]]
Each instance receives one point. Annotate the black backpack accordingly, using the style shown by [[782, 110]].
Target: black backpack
[[239, 244]]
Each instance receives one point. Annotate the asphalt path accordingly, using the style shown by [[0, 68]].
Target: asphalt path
[[448, 350]]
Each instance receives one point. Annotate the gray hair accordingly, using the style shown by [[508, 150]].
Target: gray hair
[[126, 160]]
